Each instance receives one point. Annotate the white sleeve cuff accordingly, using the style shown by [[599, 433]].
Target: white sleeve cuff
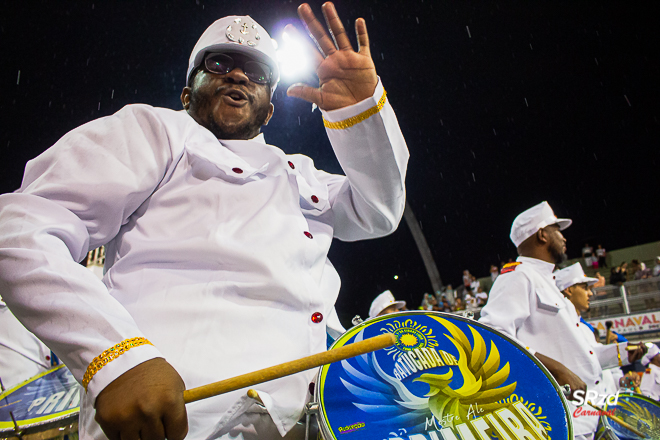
[[344, 113], [115, 368]]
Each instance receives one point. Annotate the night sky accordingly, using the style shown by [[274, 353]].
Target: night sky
[[503, 105]]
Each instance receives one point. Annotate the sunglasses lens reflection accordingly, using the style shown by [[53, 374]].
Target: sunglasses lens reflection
[[221, 63]]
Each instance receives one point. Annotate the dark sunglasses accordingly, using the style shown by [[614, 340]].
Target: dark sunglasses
[[222, 63]]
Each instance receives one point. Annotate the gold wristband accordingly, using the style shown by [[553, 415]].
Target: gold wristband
[[618, 354], [110, 355], [346, 123]]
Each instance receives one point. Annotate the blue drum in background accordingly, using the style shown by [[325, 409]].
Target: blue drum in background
[[43, 407], [641, 412], [446, 378]]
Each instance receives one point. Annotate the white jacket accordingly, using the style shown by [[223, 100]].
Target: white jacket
[[527, 305], [650, 385], [216, 252], [22, 355]]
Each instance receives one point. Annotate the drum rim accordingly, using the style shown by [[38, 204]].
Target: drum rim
[[321, 416], [5, 427]]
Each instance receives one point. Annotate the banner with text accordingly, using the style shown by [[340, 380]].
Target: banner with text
[[637, 323]]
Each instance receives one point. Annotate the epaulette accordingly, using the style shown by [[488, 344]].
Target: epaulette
[[510, 267]]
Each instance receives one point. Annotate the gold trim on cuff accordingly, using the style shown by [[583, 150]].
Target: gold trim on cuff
[[618, 354], [110, 355], [346, 123]]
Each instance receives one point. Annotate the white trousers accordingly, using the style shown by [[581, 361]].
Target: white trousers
[[258, 426]]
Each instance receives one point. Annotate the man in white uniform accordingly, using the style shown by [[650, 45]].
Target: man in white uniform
[[576, 286], [385, 304], [526, 304], [216, 242], [22, 355], [650, 385]]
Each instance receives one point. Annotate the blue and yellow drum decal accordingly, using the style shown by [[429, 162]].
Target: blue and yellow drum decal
[[638, 411], [446, 378], [48, 397]]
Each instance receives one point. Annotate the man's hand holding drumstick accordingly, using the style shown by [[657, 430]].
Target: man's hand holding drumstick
[[147, 401]]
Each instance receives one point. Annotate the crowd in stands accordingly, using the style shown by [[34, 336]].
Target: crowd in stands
[[471, 295], [636, 271]]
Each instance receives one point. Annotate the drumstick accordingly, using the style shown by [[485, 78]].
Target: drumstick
[[618, 420], [608, 324], [288, 368]]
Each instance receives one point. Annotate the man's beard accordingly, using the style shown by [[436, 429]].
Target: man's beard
[[247, 130], [558, 255]]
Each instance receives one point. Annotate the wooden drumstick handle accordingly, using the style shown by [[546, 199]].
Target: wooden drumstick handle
[[618, 420], [288, 368], [609, 335]]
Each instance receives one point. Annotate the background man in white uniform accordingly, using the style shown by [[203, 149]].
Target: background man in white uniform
[[385, 304], [576, 286], [650, 385], [216, 242], [22, 355], [526, 304]]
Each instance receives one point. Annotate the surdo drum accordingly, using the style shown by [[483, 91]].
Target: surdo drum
[[43, 407], [641, 412], [446, 378]]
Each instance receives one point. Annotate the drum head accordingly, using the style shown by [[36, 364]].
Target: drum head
[[446, 378], [50, 399], [641, 412]]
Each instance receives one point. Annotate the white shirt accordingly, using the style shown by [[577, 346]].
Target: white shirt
[[216, 251], [650, 385], [22, 355], [527, 305], [611, 375]]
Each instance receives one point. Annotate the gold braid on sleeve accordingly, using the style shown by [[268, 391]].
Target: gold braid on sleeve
[[110, 355], [346, 123]]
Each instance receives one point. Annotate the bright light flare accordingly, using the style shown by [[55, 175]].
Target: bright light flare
[[291, 56]]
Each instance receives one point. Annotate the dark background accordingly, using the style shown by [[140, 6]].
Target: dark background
[[503, 105]]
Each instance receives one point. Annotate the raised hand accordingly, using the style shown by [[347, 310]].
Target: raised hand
[[346, 77]]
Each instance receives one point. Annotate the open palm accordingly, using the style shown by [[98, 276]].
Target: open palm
[[346, 77]]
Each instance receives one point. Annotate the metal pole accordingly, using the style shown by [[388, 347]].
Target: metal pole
[[624, 296], [423, 247]]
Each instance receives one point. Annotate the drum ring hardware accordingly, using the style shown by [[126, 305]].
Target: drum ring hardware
[[467, 314], [566, 389], [17, 431], [311, 408], [357, 320]]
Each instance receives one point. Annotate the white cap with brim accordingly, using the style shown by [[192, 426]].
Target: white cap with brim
[[535, 218], [652, 352], [236, 34], [572, 275], [383, 301]]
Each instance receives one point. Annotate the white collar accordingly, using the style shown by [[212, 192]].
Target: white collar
[[542, 266], [258, 138]]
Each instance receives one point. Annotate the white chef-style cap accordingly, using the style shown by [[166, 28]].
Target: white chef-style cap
[[652, 352], [383, 301], [535, 218], [236, 34], [571, 275]]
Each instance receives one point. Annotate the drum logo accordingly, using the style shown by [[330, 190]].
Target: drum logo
[[416, 348], [351, 428], [467, 388]]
